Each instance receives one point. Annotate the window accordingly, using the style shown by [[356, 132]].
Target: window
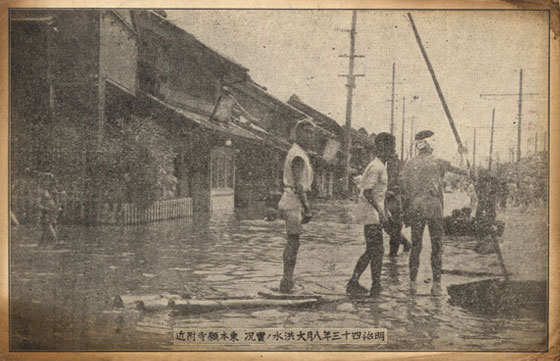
[[222, 170]]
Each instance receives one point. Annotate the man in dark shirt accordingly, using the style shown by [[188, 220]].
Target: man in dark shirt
[[393, 227], [423, 205]]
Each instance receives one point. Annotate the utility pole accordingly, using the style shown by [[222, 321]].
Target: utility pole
[[402, 129], [520, 106], [474, 151], [410, 154], [536, 142], [491, 140], [520, 96], [350, 84], [393, 101]]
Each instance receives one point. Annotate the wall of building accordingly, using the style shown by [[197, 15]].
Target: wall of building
[[118, 52]]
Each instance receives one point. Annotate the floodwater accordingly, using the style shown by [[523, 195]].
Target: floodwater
[[61, 297]]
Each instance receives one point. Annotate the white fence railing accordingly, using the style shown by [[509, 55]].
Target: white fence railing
[[130, 213]]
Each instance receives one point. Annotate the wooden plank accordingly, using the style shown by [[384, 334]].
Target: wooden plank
[[272, 295], [201, 306], [154, 304]]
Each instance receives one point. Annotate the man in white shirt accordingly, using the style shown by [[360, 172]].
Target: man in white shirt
[[298, 177], [372, 214]]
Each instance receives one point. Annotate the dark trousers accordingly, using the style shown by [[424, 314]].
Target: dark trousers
[[394, 226], [373, 255], [435, 226]]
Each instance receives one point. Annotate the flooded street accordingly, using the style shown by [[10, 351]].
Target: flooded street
[[62, 297]]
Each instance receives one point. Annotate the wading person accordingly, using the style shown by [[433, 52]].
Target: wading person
[[487, 227], [293, 206], [394, 203], [423, 205], [371, 213], [48, 207], [471, 192]]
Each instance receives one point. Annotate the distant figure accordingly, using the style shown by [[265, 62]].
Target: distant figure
[[48, 206], [526, 192], [423, 204], [487, 188], [503, 193], [372, 214], [298, 178], [512, 193], [487, 227], [471, 192]]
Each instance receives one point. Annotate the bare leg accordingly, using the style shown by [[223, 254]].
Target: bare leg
[[417, 228], [289, 257]]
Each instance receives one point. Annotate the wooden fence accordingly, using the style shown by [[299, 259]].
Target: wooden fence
[[129, 213], [74, 211]]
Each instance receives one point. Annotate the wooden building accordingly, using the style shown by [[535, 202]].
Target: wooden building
[[83, 81], [184, 83], [69, 70]]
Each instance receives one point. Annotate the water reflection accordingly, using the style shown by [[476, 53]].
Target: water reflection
[[393, 270]]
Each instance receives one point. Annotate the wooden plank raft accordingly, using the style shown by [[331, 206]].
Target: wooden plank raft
[[161, 303]]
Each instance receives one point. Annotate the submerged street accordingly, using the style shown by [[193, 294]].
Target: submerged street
[[62, 297]]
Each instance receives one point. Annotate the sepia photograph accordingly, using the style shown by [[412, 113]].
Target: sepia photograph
[[263, 180]]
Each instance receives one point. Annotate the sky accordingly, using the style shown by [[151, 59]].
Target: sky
[[472, 53]]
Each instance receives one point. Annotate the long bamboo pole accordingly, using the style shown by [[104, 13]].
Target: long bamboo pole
[[462, 149]]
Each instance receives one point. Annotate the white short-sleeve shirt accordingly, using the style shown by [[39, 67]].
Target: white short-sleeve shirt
[[374, 178]]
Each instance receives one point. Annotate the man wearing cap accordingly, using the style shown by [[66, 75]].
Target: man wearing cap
[[423, 204], [371, 213], [297, 178]]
